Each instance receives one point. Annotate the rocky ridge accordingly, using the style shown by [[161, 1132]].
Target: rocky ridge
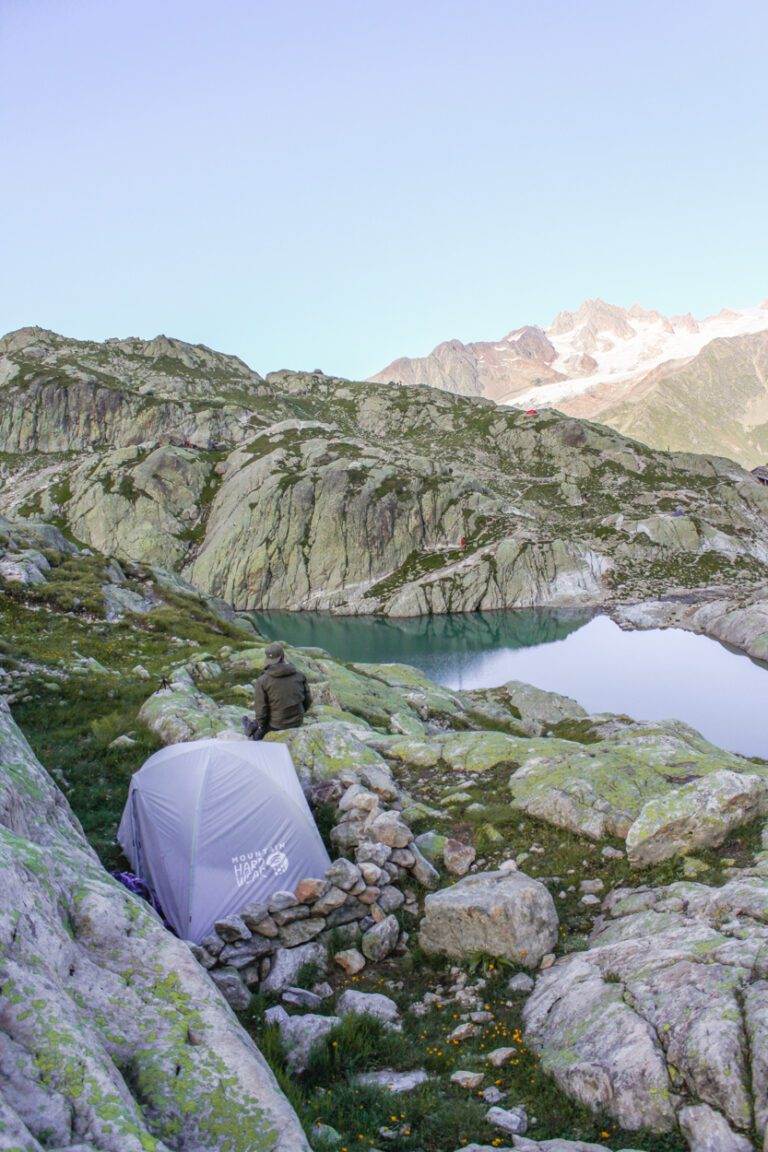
[[715, 401], [304, 491]]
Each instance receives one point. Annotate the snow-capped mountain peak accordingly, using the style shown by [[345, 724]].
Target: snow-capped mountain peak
[[624, 344]]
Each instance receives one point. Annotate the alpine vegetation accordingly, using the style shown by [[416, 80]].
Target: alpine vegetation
[[260, 899]]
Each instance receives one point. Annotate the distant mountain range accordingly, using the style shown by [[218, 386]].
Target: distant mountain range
[[674, 382]]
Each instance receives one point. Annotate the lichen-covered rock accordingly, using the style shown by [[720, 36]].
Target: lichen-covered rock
[[697, 815], [364, 695], [388, 828], [707, 1131], [415, 753], [108, 1024], [232, 987], [327, 751], [23, 568], [522, 705], [480, 751], [181, 713], [667, 1006], [426, 697], [287, 963], [599, 789], [381, 939], [118, 600], [458, 857], [504, 914], [431, 845], [422, 870]]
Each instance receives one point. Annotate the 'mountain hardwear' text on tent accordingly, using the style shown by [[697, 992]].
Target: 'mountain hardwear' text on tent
[[213, 825]]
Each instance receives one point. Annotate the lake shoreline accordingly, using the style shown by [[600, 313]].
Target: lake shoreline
[[648, 670]]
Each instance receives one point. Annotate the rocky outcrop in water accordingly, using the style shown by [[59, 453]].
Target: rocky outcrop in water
[[739, 619]]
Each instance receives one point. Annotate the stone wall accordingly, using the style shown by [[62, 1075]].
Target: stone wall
[[352, 905]]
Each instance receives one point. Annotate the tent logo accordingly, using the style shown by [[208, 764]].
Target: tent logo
[[250, 866], [278, 862]]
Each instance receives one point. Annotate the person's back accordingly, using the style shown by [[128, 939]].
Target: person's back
[[281, 694]]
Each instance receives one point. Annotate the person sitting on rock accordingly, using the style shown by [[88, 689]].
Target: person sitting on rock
[[281, 696]]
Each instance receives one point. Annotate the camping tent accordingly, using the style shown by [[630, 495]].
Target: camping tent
[[213, 825]]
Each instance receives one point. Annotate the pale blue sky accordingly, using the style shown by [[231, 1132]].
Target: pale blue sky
[[332, 184]]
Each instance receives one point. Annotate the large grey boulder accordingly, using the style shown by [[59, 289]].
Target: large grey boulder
[[529, 708], [697, 815], [119, 600], [504, 914], [182, 712], [667, 1006], [108, 1025]]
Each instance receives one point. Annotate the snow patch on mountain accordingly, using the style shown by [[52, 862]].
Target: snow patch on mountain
[[626, 344]]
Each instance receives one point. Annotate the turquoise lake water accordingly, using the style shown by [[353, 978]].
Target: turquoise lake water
[[650, 675]]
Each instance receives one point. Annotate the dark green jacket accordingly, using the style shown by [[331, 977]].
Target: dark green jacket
[[281, 696]]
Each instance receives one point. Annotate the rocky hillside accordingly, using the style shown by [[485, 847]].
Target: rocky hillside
[[670, 381], [553, 925], [305, 491], [498, 370]]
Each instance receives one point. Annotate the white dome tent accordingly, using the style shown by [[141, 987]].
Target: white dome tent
[[213, 825]]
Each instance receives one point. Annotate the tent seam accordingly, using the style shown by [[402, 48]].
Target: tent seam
[[193, 844]]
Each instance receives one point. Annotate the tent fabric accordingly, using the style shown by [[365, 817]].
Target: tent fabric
[[213, 825]]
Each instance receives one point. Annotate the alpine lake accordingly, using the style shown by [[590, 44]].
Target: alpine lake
[[649, 675]]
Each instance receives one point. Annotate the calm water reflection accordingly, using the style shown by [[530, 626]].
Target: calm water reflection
[[650, 675]]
